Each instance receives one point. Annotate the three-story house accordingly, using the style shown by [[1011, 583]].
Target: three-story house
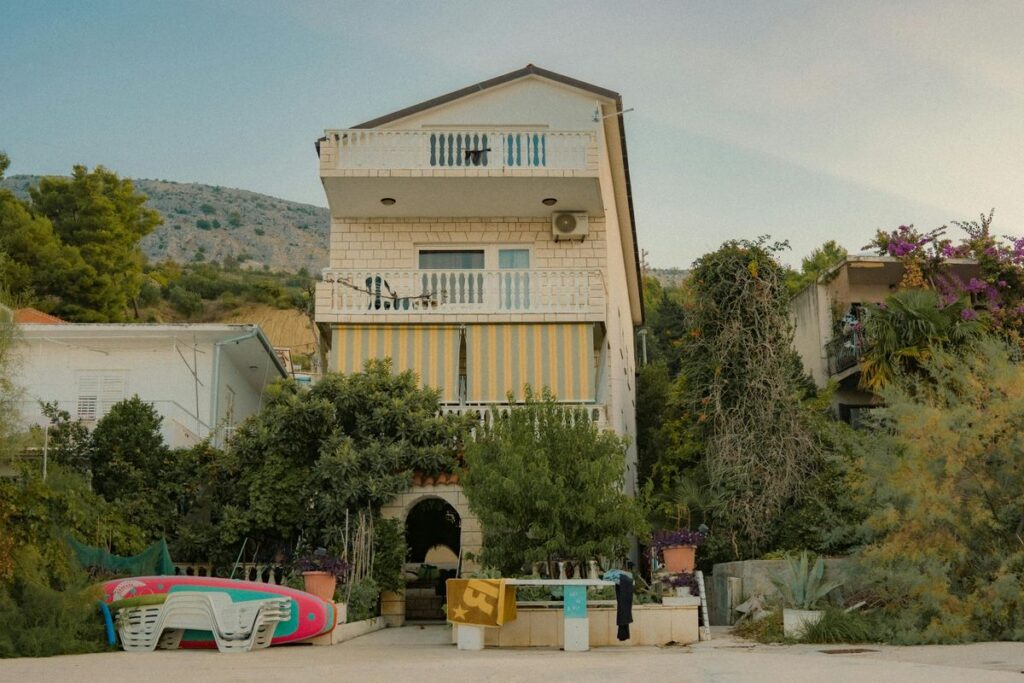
[[485, 240]]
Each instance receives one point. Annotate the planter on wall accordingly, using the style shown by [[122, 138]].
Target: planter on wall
[[796, 621], [679, 558], [320, 584]]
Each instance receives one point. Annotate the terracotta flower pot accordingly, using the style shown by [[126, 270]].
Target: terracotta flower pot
[[320, 584], [679, 558]]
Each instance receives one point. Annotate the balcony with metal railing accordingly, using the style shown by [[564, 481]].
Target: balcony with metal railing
[[459, 295], [844, 351], [495, 172]]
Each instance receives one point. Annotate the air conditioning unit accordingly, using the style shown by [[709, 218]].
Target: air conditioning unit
[[569, 225]]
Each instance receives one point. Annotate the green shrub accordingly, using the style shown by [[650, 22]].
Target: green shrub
[[765, 630], [185, 302], [42, 620], [388, 554], [208, 209], [363, 597], [203, 224], [840, 626]]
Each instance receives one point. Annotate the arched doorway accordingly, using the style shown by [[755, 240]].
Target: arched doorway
[[433, 529]]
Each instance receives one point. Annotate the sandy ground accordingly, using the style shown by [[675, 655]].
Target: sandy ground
[[423, 654]]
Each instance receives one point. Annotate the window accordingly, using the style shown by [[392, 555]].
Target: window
[[451, 259], [514, 258], [98, 392]]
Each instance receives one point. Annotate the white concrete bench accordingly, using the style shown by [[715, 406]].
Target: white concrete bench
[[574, 609]]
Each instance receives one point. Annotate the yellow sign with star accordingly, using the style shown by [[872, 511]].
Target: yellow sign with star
[[480, 602]]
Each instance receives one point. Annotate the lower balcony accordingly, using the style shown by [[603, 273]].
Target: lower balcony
[[440, 295], [486, 413], [844, 352]]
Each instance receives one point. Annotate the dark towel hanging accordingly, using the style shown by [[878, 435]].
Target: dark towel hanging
[[624, 604]]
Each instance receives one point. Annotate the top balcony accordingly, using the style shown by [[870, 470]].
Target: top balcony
[[459, 173]]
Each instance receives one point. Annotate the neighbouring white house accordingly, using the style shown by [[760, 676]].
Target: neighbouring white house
[[202, 378], [485, 239]]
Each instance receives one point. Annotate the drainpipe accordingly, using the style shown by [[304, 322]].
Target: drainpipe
[[215, 408]]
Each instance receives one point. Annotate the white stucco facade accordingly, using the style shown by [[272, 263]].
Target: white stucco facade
[[203, 379]]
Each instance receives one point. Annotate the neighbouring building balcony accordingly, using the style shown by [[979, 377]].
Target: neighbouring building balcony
[[845, 351], [495, 172], [459, 295]]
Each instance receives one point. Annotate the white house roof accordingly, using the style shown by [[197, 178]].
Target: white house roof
[[250, 344]]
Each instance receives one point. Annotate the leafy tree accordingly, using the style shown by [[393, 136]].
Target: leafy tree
[[103, 217], [36, 265], [130, 464], [349, 443], [812, 267], [666, 323], [943, 478], [547, 483], [10, 395], [67, 440]]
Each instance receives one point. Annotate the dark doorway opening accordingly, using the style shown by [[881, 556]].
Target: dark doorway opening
[[432, 533]]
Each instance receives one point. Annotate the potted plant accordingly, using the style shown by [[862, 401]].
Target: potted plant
[[677, 545], [685, 585], [802, 588], [677, 548], [321, 572]]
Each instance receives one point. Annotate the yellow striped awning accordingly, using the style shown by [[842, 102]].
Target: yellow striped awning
[[431, 351], [502, 358]]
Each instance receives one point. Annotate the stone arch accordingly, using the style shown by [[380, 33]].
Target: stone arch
[[446, 488]]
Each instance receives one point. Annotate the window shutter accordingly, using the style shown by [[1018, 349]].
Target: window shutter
[[111, 391], [88, 397], [97, 394]]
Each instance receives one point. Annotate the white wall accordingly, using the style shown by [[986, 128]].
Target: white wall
[[620, 341], [811, 314], [529, 101], [155, 369]]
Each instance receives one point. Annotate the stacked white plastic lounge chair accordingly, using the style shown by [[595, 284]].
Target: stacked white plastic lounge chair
[[236, 626]]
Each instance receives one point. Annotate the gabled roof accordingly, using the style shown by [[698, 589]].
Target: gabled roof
[[527, 70], [531, 70]]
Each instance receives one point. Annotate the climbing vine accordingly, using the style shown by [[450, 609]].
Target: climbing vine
[[743, 390]]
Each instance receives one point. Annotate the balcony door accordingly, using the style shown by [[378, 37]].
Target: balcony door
[[452, 276], [514, 285]]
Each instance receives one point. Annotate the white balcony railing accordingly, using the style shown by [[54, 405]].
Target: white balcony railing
[[456, 291], [485, 413], [463, 149]]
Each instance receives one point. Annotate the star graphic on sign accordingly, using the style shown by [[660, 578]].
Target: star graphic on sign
[[460, 613]]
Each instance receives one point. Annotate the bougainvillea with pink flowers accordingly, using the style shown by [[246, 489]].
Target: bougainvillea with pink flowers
[[998, 290]]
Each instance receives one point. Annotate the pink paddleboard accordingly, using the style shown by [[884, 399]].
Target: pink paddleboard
[[311, 616]]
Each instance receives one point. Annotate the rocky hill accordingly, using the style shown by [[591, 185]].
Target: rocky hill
[[211, 223]]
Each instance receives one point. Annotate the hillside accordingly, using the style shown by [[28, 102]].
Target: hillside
[[211, 223]]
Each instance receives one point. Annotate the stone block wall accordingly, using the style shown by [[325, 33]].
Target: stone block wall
[[388, 243]]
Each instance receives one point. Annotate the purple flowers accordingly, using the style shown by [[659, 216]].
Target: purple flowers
[[968, 314], [684, 580], [668, 539], [322, 562]]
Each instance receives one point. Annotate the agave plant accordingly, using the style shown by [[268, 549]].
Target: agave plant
[[801, 585]]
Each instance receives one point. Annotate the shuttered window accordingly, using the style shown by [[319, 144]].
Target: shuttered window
[[98, 392]]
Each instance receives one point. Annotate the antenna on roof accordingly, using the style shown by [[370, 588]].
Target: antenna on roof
[[598, 118]]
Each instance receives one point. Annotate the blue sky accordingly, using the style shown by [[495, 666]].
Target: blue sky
[[806, 121]]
